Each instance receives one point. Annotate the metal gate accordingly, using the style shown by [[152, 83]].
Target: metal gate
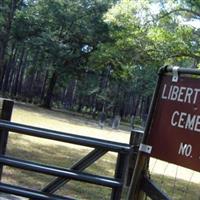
[[63, 175]]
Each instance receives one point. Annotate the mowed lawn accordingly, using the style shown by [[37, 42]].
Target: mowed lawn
[[64, 155], [58, 153]]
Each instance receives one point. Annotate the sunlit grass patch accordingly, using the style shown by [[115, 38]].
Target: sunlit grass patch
[[177, 189], [60, 155]]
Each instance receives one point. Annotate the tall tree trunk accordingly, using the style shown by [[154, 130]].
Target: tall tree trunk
[[48, 97], [122, 105], [141, 107], [2, 75], [7, 75], [10, 80], [116, 108], [80, 105], [2, 62], [146, 106], [19, 88], [44, 86], [135, 109], [5, 37], [19, 68], [71, 90], [145, 103], [128, 104], [9, 66]]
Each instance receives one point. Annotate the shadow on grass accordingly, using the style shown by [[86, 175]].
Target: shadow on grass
[[60, 155]]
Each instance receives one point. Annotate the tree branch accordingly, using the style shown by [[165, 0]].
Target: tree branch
[[197, 57], [194, 13]]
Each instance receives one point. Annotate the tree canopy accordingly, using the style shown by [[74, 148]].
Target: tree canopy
[[91, 55]]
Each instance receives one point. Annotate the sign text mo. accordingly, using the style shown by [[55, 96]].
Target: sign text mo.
[[185, 149]]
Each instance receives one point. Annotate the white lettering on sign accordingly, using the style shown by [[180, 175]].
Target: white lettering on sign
[[174, 118], [180, 94], [185, 149], [185, 121]]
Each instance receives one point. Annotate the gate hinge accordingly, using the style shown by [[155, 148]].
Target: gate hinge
[[145, 148]]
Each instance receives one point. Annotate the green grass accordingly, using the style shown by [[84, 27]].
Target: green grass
[[56, 155], [64, 155], [179, 189]]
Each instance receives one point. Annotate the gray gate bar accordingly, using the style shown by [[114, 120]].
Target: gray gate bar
[[27, 165], [80, 166], [65, 137], [28, 193]]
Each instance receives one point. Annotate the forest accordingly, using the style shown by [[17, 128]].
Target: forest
[[94, 55]]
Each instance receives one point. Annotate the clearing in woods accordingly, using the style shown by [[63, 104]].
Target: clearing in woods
[[64, 155]]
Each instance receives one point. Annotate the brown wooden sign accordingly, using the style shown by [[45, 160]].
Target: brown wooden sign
[[175, 129]]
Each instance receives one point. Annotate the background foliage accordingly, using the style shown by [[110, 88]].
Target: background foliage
[[94, 55]]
